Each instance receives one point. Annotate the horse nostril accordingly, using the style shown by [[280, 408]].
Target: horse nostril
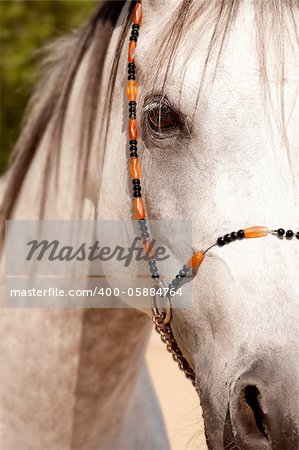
[[263, 413], [248, 417], [251, 397]]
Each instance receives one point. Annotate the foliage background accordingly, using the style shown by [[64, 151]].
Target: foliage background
[[25, 26]]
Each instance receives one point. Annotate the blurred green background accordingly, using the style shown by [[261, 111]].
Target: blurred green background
[[25, 26]]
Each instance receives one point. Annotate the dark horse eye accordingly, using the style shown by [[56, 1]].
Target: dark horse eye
[[161, 117]]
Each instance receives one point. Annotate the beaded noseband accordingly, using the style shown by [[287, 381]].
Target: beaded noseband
[[162, 318]]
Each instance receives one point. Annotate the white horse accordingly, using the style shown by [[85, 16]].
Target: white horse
[[218, 108]]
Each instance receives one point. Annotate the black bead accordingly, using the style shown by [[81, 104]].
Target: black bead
[[133, 148], [137, 194], [186, 269], [171, 286], [155, 275], [131, 65], [132, 116], [220, 241], [297, 235], [227, 239], [233, 236], [240, 234], [131, 77], [289, 234], [134, 155], [131, 71], [132, 141], [133, 38], [145, 235], [132, 109], [280, 232], [136, 181], [142, 221], [132, 103], [135, 26], [182, 273]]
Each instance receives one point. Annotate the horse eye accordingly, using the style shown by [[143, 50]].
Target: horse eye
[[161, 117]]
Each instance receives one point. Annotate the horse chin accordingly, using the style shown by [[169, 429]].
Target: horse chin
[[218, 428], [228, 435]]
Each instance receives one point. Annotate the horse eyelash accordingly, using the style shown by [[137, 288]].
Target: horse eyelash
[[158, 103]]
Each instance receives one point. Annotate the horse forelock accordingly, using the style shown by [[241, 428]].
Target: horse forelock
[[274, 22]]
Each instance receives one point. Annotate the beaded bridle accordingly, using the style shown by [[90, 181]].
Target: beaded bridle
[[162, 316]]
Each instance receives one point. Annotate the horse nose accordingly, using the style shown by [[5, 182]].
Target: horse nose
[[263, 411]]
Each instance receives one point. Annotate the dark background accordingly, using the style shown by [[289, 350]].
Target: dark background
[[25, 26]]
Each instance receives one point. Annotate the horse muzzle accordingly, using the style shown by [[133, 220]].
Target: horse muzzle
[[264, 408]]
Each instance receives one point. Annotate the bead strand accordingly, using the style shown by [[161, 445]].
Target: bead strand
[[289, 234], [132, 91], [252, 232], [190, 269]]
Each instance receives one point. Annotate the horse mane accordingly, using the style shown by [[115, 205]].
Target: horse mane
[[63, 58], [48, 105]]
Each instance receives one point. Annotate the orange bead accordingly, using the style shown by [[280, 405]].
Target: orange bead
[[132, 90], [195, 260], [134, 168], [139, 208], [149, 248], [131, 53], [254, 232], [137, 17], [133, 132]]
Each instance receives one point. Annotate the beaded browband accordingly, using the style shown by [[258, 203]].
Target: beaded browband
[[162, 318]]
